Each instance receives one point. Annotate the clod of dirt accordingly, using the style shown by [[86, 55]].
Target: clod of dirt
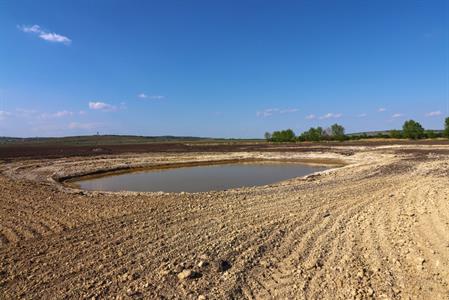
[[223, 266]]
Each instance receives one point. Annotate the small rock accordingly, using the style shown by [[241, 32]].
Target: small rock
[[185, 274], [188, 274], [264, 263], [201, 297]]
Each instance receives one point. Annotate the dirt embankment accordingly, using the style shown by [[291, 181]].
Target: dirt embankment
[[376, 228]]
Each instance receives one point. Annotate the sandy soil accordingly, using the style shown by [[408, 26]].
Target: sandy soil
[[376, 228]]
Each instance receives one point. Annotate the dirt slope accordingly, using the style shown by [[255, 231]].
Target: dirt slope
[[378, 228]]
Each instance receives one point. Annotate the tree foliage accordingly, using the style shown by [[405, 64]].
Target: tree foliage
[[267, 136], [338, 132], [283, 136], [446, 127], [412, 130], [313, 134]]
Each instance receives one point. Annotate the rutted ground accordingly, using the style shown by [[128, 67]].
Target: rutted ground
[[376, 228]]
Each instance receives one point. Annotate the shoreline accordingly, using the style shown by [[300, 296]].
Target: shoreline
[[70, 180]]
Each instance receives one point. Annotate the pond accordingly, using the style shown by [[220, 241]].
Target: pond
[[199, 178]]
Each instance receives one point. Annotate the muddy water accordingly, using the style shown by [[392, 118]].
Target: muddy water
[[200, 178]]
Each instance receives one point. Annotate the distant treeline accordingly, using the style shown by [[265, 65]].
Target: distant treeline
[[410, 130]]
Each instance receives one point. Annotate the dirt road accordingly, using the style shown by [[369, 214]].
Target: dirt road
[[375, 228]]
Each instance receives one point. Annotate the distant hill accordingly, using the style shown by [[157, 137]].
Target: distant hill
[[110, 140]]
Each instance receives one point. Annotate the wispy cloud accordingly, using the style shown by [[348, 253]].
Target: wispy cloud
[[310, 117], [267, 112], [271, 111], [397, 115], [434, 114], [26, 113], [288, 110], [45, 35], [361, 115], [150, 97], [331, 116], [102, 106], [63, 113], [381, 109], [58, 114], [83, 126], [4, 114]]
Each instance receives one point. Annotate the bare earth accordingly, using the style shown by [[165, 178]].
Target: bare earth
[[375, 228]]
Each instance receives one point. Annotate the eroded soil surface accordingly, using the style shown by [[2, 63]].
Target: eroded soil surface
[[375, 228]]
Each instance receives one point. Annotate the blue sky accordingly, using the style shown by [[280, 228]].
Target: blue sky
[[220, 68]]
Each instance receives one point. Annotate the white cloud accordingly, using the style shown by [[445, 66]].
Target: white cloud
[[331, 116], [33, 29], [310, 117], [271, 111], [361, 115], [82, 112], [382, 109], [45, 35], [54, 37], [397, 115], [434, 114], [150, 97], [102, 106]]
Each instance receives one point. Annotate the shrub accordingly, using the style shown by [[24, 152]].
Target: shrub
[[395, 134]]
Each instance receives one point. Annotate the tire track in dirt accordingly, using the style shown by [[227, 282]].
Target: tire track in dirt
[[358, 232]]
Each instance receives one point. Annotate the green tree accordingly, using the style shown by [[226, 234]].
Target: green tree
[[283, 136], [313, 134], [267, 136], [338, 132], [412, 130], [288, 135], [446, 127]]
